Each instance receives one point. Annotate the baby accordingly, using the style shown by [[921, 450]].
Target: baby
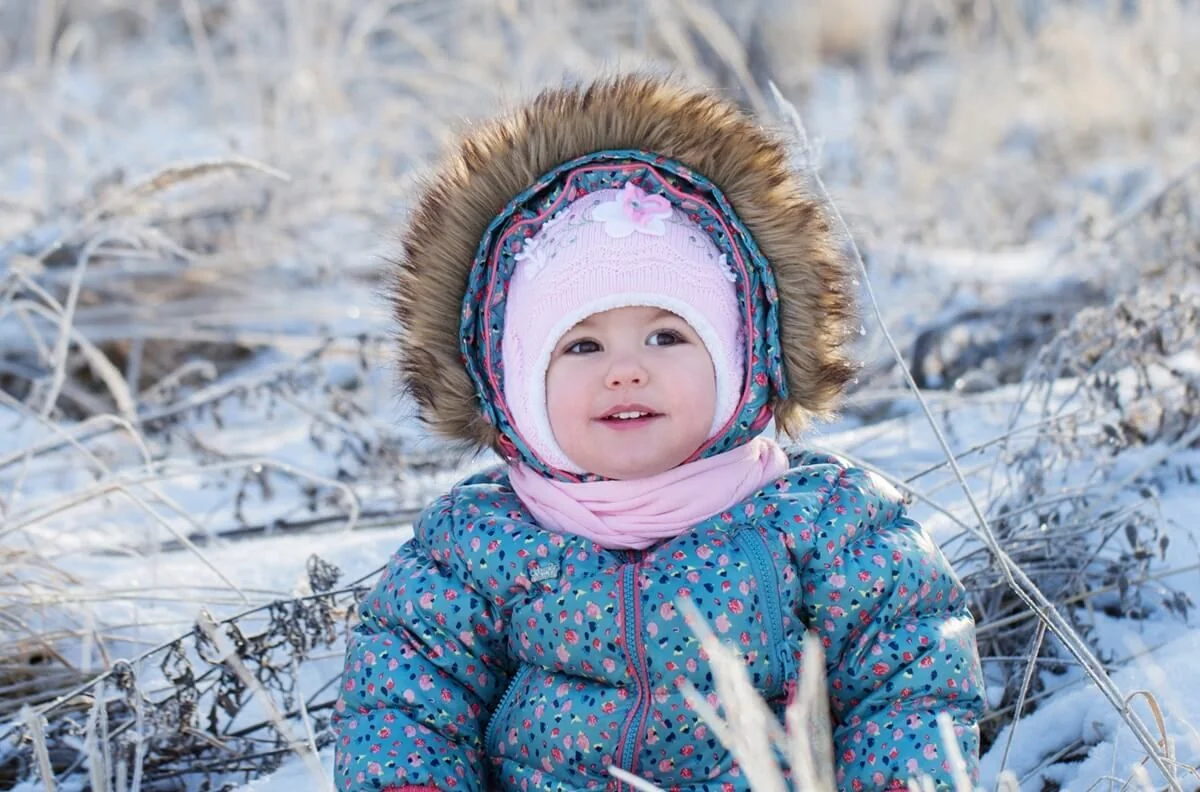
[[616, 288]]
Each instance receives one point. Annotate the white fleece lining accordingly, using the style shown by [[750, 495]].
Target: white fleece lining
[[541, 364]]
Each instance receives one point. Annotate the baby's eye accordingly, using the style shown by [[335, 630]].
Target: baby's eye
[[664, 338], [582, 347]]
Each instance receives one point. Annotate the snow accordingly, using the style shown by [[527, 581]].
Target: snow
[[1083, 713], [274, 567], [1163, 649], [100, 552]]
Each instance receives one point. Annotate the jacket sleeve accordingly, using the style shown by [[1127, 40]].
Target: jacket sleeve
[[899, 640], [424, 668]]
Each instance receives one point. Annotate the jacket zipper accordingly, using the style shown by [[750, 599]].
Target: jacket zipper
[[517, 680], [635, 651], [755, 546]]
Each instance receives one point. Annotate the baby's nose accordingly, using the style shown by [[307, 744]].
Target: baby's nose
[[626, 373], [616, 382]]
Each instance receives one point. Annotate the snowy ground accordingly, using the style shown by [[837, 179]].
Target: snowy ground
[[146, 595], [245, 316]]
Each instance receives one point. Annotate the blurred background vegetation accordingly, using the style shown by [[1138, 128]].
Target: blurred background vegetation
[[196, 197]]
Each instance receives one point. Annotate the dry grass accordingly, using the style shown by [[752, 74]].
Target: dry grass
[[749, 729], [170, 164]]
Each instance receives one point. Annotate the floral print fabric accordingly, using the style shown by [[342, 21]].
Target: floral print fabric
[[494, 655]]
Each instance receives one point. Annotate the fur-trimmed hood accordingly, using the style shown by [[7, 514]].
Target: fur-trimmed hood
[[498, 159]]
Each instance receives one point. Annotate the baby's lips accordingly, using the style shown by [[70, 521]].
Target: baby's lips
[[629, 408]]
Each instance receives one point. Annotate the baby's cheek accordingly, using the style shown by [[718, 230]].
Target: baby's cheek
[[567, 401], [693, 386], [561, 404], [563, 428]]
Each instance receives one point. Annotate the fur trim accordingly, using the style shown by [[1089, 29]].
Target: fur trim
[[495, 160]]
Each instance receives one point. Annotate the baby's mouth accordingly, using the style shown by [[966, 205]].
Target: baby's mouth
[[629, 416]]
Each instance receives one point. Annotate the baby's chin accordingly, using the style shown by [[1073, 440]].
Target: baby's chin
[[632, 474], [631, 469], [639, 453]]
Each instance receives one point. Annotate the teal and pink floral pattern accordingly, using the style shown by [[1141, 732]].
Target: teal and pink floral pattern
[[495, 655]]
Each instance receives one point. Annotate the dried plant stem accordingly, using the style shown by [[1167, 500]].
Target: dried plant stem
[[96, 766], [1155, 675], [72, 438], [113, 379], [204, 54], [751, 733], [312, 763], [35, 726], [1016, 618], [958, 764], [161, 180], [1158, 457], [200, 398], [59, 431], [139, 752], [1026, 683], [748, 729], [28, 519], [809, 723], [1149, 202], [82, 689], [1020, 584], [998, 440], [142, 505], [58, 362]]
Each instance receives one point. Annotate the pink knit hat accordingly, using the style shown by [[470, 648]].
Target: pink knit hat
[[613, 249]]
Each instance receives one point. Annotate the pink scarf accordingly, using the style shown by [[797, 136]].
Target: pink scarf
[[638, 513]]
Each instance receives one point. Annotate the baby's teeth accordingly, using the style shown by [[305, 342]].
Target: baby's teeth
[[627, 415]]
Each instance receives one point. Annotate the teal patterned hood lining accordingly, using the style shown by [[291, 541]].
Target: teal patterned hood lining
[[483, 306]]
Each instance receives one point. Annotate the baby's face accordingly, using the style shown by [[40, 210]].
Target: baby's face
[[644, 363]]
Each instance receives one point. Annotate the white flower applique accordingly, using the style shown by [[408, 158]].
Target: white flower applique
[[633, 210], [538, 251], [532, 257]]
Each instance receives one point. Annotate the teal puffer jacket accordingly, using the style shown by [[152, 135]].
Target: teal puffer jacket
[[495, 655]]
